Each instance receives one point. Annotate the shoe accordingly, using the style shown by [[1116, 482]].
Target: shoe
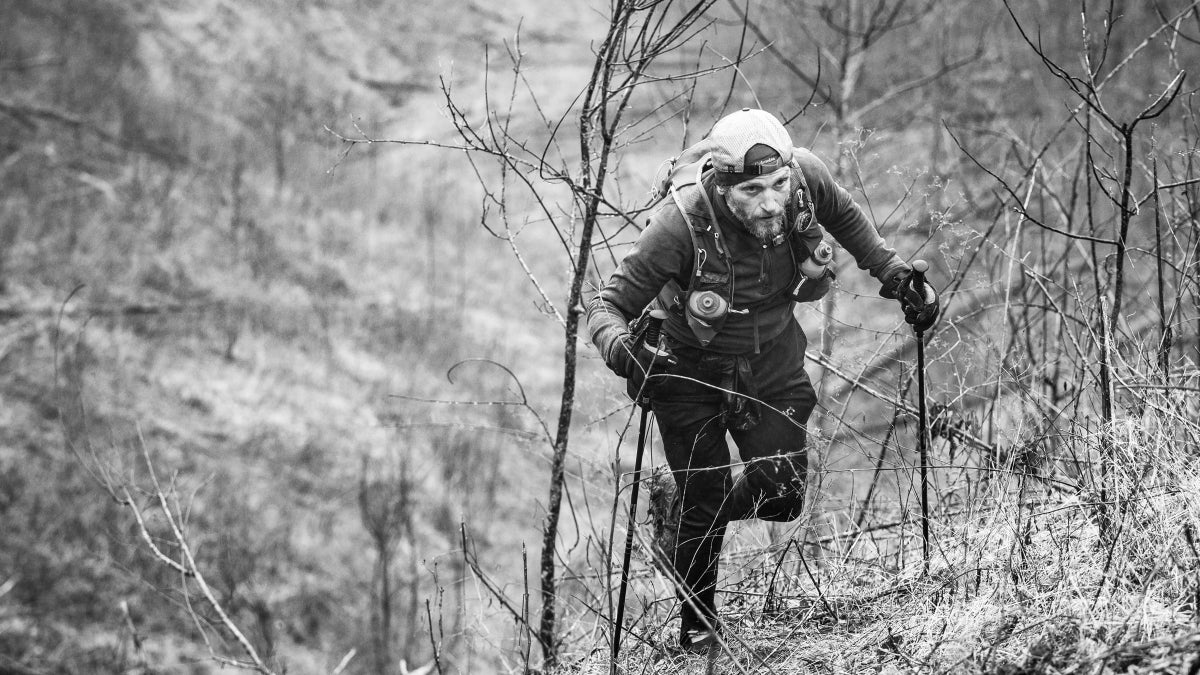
[[698, 641], [664, 517]]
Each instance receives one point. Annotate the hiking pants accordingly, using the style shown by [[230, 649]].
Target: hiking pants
[[693, 415]]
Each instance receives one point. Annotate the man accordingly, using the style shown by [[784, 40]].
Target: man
[[722, 256]]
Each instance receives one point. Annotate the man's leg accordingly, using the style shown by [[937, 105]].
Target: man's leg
[[690, 413], [773, 479], [772, 483], [694, 441]]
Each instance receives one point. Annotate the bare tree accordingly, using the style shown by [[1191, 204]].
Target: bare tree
[[386, 507], [637, 35]]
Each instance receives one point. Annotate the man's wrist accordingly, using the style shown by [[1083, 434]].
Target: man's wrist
[[620, 355], [892, 284]]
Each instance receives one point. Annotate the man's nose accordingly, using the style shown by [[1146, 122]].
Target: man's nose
[[771, 205]]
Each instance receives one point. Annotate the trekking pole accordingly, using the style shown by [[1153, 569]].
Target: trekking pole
[[918, 282], [653, 329]]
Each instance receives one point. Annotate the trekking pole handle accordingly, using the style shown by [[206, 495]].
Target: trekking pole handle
[[919, 268], [654, 328], [916, 284]]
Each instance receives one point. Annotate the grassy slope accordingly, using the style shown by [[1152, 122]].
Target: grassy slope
[[269, 390], [1022, 580]]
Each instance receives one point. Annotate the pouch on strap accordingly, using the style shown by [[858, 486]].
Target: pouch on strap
[[742, 409], [806, 235]]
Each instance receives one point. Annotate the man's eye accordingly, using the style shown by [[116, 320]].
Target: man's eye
[[781, 185]]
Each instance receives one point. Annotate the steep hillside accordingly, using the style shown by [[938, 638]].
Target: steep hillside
[[196, 268]]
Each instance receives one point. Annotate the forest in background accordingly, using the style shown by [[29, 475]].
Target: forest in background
[[340, 356]]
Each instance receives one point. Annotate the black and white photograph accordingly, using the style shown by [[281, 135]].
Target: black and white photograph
[[616, 337]]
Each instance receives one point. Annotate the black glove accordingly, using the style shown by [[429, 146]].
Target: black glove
[[920, 305], [643, 379], [638, 363]]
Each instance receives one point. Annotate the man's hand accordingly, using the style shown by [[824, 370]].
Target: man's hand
[[920, 305], [639, 354], [639, 363]]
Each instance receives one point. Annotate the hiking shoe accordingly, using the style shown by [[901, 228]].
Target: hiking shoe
[[664, 517], [697, 641]]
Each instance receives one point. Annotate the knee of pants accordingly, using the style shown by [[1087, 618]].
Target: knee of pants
[[701, 492], [780, 482]]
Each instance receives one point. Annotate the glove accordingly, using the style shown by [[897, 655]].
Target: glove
[[921, 306], [638, 364]]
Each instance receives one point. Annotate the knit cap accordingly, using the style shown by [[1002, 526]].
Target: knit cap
[[748, 143]]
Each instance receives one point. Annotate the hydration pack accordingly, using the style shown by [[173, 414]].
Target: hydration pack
[[708, 298]]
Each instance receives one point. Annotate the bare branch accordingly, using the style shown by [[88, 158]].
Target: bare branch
[[191, 569], [1017, 198], [898, 90], [793, 68], [1164, 100]]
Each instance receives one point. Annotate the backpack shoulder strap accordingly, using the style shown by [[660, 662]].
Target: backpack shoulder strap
[[711, 278], [706, 236], [801, 212]]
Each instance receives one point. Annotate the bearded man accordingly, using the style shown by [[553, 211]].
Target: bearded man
[[725, 257]]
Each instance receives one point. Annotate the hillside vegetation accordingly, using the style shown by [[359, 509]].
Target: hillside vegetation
[[194, 266], [283, 289]]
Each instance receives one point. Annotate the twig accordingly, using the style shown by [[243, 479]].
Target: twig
[[190, 562], [495, 591], [341, 666], [437, 652]]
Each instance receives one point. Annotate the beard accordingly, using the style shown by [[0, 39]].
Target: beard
[[766, 230]]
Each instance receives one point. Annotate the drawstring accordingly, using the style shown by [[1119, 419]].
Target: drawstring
[[756, 342]]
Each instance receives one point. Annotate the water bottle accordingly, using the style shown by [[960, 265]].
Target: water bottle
[[814, 265]]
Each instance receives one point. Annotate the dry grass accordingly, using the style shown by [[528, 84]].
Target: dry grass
[[1025, 580]]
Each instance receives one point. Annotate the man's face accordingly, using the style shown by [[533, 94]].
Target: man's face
[[759, 203]]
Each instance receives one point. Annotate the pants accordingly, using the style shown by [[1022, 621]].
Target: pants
[[693, 417]]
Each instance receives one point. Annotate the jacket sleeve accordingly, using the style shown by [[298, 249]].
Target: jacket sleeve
[[845, 220], [661, 251]]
